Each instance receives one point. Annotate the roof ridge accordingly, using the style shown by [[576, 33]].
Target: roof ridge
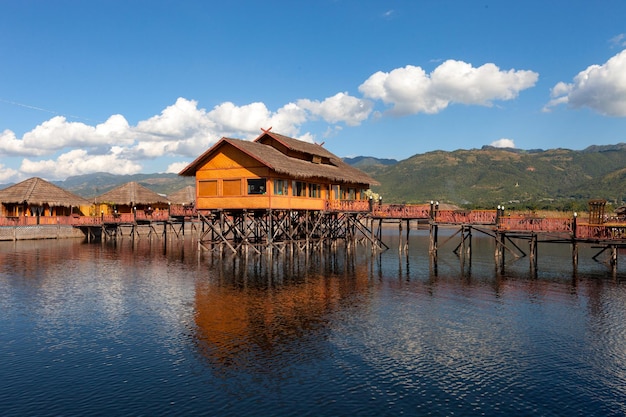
[[31, 189]]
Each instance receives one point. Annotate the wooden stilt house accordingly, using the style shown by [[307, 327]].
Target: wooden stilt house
[[276, 172], [132, 201], [37, 201]]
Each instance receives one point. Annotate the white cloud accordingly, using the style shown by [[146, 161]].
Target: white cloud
[[6, 173], [10, 145], [77, 162], [411, 90], [599, 87], [339, 108], [181, 120], [503, 143], [176, 167]]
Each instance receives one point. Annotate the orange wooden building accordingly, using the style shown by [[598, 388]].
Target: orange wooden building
[[275, 172]]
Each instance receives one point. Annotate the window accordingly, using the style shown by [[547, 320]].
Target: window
[[256, 186], [351, 194], [232, 187], [299, 188], [315, 190], [336, 192], [280, 187], [207, 188]]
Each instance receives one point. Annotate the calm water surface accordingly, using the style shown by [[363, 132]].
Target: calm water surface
[[155, 327]]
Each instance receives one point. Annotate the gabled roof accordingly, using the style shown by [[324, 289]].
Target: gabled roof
[[129, 194], [296, 145], [36, 191], [334, 170], [186, 195]]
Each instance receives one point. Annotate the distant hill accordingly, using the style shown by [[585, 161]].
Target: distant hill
[[363, 162], [490, 176]]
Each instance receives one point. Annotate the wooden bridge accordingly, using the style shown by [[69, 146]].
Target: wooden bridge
[[352, 220], [506, 228]]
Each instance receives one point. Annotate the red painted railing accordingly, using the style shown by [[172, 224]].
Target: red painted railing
[[348, 205], [466, 216], [401, 211], [537, 224], [606, 231]]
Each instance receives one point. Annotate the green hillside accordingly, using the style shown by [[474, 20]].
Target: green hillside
[[556, 178]]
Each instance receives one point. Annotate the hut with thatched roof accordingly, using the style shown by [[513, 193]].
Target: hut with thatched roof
[[184, 197], [38, 197], [273, 172], [131, 197]]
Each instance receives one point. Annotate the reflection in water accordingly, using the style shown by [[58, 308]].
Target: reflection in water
[[148, 327], [257, 308]]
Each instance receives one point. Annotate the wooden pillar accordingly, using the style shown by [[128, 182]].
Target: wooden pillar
[[406, 243], [499, 253], [399, 235], [533, 253], [614, 257], [434, 229]]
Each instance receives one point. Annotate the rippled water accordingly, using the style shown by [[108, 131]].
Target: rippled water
[[155, 327]]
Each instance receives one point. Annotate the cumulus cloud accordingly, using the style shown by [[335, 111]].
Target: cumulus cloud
[[411, 90], [503, 143], [339, 108], [176, 167], [6, 173], [601, 88], [77, 162]]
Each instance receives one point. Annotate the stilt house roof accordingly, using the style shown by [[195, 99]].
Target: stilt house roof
[[129, 194], [186, 195], [288, 156], [36, 191]]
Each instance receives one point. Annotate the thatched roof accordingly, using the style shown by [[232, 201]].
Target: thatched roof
[[186, 195], [36, 191], [304, 166], [129, 194]]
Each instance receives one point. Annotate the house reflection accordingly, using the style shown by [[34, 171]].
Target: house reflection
[[258, 310]]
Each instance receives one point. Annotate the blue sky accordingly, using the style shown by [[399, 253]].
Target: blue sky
[[147, 86]]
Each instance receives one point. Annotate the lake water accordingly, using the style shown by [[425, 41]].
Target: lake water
[[156, 327]]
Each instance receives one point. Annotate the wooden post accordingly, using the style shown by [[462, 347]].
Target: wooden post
[[614, 257], [400, 236], [533, 253], [433, 238], [408, 227]]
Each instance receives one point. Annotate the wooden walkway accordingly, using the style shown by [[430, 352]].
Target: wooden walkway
[[348, 220], [506, 229]]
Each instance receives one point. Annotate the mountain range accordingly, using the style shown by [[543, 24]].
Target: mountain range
[[475, 178], [525, 179]]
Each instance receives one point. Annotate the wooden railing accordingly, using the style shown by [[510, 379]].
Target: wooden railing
[[538, 224], [401, 211], [348, 205], [606, 231], [466, 216]]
